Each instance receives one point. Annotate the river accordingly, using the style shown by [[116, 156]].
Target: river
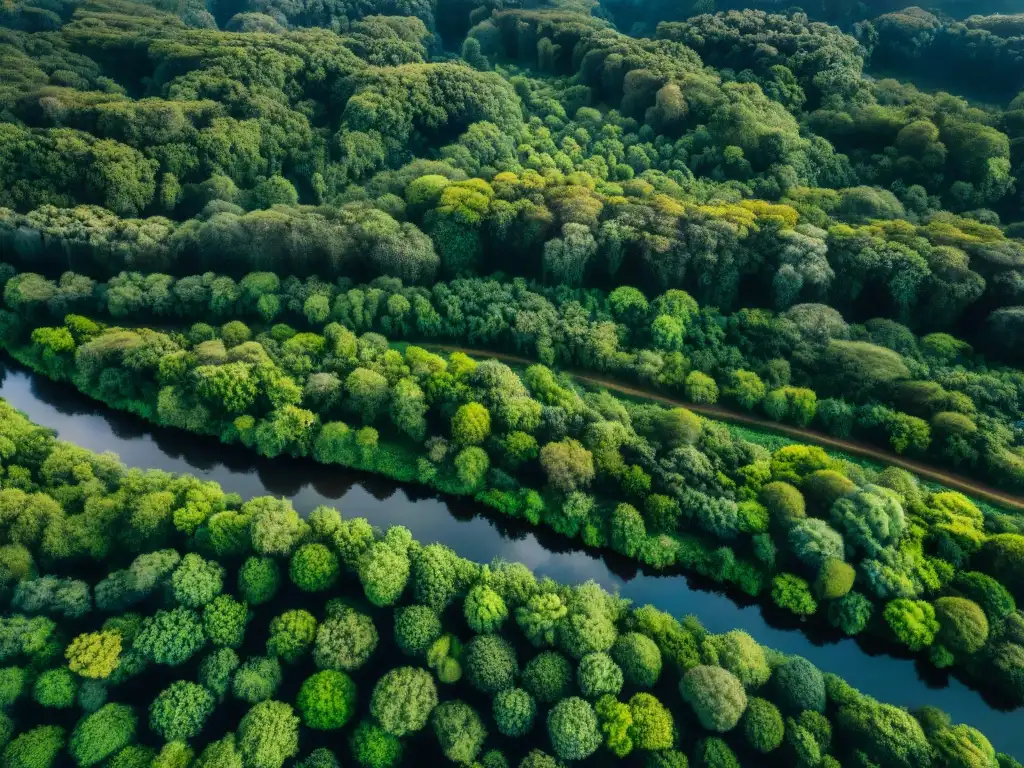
[[483, 538]]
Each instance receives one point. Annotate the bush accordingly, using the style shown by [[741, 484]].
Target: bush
[[912, 621], [314, 568], [652, 726], [345, 641], [547, 677], [471, 424], [327, 700], [459, 730], [716, 696], [37, 748], [291, 635], [55, 688], [963, 627], [257, 679], [762, 726], [373, 747], [598, 674], [491, 664], [101, 734], [798, 685], [403, 700], [514, 712], [572, 728], [793, 594], [639, 658], [179, 712], [1003, 558], [785, 503], [258, 580], [995, 600], [416, 629], [268, 735], [835, 579]]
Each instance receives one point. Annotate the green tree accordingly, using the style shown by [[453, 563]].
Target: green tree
[[314, 568], [94, 655], [101, 734], [716, 696], [179, 712], [514, 712], [403, 700], [459, 730], [268, 735], [327, 700], [573, 729], [471, 424]]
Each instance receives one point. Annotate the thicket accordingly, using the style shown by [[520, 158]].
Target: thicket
[[930, 396], [862, 550], [125, 666]]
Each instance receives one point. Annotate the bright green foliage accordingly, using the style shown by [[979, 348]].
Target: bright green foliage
[[573, 729], [196, 581], [257, 679], [639, 659], [652, 727], [615, 721], [514, 712], [484, 609], [793, 594], [715, 753], [598, 674], [384, 574], [835, 579], [717, 697], [798, 685], [995, 600], [887, 735], [12, 685], [459, 730], [55, 688], [963, 627], [471, 424], [258, 580], [403, 700], [491, 664], [912, 621], [741, 655], [547, 677], [784, 502], [762, 726], [174, 754], [320, 758], [961, 746], [35, 748], [291, 635], [217, 669], [373, 747], [224, 620], [223, 753], [416, 629], [179, 712], [171, 637], [850, 613], [268, 735], [327, 700], [101, 734], [539, 617], [314, 568], [345, 641], [94, 654]]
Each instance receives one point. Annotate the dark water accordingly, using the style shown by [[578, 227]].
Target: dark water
[[483, 538]]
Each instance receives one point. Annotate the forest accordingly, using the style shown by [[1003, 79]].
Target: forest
[[309, 229]]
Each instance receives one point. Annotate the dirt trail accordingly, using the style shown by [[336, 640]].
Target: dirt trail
[[864, 450]]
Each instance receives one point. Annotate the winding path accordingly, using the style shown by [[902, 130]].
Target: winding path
[[957, 482]]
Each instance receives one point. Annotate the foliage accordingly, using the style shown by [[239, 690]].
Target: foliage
[[327, 700]]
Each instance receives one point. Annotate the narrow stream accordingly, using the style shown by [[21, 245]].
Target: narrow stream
[[483, 538]]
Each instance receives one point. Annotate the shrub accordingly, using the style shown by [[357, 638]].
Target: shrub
[[572, 728], [598, 674], [258, 580], [762, 726], [179, 712], [314, 568], [785, 503], [416, 629], [345, 641], [716, 696], [101, 734], [291, 635], [268, 735], [639, 658], [471, 424], [327, 700], [835, 579], [963, 627], [798, 685], [1003, 558], [514, 712], [547, 677], [55, 688], [652, 726], [995, 600], [459, 730], [373, 747], [491, 664], [403, 700]]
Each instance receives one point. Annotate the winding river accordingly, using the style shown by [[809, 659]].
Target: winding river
[[483, 538]]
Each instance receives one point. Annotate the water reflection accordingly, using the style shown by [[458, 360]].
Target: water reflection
[[460, 525]]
